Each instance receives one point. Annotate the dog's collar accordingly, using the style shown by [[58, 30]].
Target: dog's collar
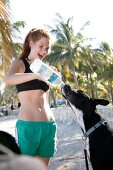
[[93, 128]]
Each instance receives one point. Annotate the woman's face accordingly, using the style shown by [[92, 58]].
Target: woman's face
[[39, 49]]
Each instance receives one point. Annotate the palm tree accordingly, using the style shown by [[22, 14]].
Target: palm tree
[[73, 53], [6, 50], [65, 49], [17, 46], [8, 31], [106, 76], [92, 61]]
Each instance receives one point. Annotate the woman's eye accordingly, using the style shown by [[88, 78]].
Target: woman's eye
[[47, 49]]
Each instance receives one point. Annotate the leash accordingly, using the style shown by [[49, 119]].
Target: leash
[[85, 150], [86, 159]]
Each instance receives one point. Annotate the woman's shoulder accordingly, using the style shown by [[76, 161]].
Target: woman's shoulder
[[18, 63]]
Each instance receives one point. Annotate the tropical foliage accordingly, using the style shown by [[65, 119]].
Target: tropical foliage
[[9, 49], [8, 32], [64, 51], [81, 64], [6, 50]]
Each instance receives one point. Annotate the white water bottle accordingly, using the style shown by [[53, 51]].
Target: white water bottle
[[46, 72]]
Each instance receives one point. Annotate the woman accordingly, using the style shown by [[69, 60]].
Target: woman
[[36, 127]]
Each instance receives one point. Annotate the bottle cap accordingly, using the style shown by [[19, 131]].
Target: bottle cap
[[62, 84]]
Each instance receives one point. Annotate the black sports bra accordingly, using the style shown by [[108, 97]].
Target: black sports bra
[[33, 84]]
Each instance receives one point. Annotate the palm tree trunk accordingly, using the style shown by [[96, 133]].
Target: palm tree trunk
[[75, 78], [111, 91], [91, 85]]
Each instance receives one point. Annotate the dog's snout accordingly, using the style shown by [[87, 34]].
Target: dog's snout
[[67, 86], [65, 90]]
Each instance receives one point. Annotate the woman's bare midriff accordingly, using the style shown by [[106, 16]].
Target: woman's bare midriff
[[34, 106]]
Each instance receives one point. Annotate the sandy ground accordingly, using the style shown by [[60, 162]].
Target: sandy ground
[[70, 155]]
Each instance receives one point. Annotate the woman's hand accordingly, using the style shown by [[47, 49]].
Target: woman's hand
[[55, 69]]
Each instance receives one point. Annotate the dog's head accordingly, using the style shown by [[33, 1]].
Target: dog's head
[[82, 101]]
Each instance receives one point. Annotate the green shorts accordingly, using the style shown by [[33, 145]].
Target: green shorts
[[37, 138]]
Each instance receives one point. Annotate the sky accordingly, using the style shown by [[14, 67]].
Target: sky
[[37, 13]]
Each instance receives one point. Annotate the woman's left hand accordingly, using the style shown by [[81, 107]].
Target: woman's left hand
[[55, 69]]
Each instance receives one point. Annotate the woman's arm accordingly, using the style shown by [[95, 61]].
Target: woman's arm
[[16, 74]]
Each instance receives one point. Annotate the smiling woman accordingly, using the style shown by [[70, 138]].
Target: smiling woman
[[35, 117]]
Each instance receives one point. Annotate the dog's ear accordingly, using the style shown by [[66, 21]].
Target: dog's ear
[[101, 102]]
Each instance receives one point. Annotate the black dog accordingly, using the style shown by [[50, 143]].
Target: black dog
[[9, 141], [94, 127]]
